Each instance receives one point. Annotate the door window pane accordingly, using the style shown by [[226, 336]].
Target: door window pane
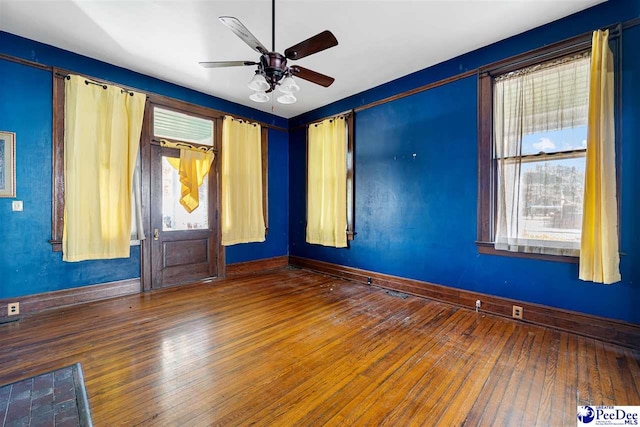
[[174, 216]]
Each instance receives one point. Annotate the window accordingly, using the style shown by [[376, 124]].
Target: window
[[531, 158], [326, 219], [58, 190], [242, 188], [178, 126]]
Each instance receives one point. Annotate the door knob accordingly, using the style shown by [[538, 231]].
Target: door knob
[[156, 235]]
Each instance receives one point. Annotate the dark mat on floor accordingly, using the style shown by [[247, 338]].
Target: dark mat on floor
[[57, 398]]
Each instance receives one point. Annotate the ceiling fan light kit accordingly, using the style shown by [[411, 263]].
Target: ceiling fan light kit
[[258, 83], [288, 85], [272, 68], [287, 98], [259, 97]]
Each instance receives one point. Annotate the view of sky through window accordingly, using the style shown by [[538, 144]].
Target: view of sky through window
[[557, 140]]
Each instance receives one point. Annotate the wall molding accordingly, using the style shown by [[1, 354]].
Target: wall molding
[[608, 330], [257, 266], [30, 304]]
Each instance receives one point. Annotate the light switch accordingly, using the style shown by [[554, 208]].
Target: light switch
[[16, 205]]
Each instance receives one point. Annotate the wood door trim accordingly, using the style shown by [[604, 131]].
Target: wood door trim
[[145, 172], [221, 255]]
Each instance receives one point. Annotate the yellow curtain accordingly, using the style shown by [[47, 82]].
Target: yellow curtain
[[192, 166], [101, 140], [242, 214], [599, 257], [327, 183]]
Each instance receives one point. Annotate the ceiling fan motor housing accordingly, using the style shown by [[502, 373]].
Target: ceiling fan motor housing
[[274, 66]]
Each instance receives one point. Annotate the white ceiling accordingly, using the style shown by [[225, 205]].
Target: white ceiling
[[378, 40]]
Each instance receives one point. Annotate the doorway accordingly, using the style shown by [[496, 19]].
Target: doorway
[[184, 246]]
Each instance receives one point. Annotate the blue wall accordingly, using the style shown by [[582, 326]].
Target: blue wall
[[416, 182], [27, 263]]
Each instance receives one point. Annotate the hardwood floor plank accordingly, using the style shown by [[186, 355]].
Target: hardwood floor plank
[[432, 368], [628, 372], [336, 398], [534, 379], [552, 375], [473, 383], [293, 347], [486, 406], [511, 409], [583, 393], [417, 405]]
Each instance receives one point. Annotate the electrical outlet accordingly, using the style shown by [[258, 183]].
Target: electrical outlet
[[517, 312], [13, 308]]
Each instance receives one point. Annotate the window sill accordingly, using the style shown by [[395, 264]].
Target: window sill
[[486, 248], [56, 245]]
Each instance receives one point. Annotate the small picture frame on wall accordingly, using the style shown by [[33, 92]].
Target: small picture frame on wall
[[7, 164]]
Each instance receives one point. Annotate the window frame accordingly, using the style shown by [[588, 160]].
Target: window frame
[[487, 164], [350, 119]]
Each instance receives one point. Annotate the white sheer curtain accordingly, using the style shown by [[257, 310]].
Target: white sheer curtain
[[546, 97], [137, 227]]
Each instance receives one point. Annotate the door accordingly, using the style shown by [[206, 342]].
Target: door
[[184, 246]]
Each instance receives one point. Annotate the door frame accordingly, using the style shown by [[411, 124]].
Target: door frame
[[146, 141]]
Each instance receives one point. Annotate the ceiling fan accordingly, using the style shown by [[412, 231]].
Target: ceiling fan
[[272, 69]]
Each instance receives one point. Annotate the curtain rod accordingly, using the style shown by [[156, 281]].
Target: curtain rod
[[90, 82], [249, 122], [344, 114], [197, 147]]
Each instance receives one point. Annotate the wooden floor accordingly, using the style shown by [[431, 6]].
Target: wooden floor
[[293, 347]]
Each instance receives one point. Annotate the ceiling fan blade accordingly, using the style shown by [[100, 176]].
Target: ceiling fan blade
[[220, 64], [312, 76], [241, 31], [317, 43]]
